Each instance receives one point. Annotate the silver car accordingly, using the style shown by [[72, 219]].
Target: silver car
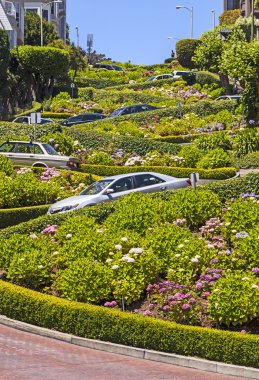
[[31, 153], [111, 188]]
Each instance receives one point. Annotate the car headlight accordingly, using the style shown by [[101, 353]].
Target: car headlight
[[69, 208]]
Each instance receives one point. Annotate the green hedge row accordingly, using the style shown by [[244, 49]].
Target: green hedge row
[[129, 329], [102, 170], [11, 217], [36, 107], [57, 115], [96, 82], [95, 140], [231, 188], [18, 130]]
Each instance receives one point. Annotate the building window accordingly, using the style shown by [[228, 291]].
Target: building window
[[233, 4]]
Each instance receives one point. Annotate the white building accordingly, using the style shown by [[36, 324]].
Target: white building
[[53, 11], [12, 20]]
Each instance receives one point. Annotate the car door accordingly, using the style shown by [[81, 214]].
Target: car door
[[122, 186], [149, 183]]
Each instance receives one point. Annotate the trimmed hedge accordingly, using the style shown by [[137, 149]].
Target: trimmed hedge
[[57, 115], [95, 140], [11, 217], [102, 170], [19, 130], [129, 329]]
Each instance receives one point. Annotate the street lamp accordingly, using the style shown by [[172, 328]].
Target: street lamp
[[191, 14], [214, 21], [77, 36], [42, 6]]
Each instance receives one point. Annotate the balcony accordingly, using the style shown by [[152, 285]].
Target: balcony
[[10, 9]]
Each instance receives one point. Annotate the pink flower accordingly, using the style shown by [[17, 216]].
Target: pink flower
[[186, 306], [148, 312]]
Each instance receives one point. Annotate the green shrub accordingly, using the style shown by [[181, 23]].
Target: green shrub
[[191, 155], [6, 165], [216, 158], [250, 160], [84, 280], [234, 300], [185, 51], [246, 141], [178, 172], [109, 325], [213, 141], [10, 217]]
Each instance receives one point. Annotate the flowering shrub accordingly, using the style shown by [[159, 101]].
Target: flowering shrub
[[216, 158], [6, 165], [234, 299]]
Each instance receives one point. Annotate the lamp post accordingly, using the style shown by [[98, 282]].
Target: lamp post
[[42, 6], [77, 36], [214, 20], [191, 15], [173, 38], [253, 19]]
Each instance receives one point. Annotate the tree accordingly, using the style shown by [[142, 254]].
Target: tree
[[4, 63], [241, 61], [32, 30], [185, 51], [41, 66], [208, 54], [229, 17]]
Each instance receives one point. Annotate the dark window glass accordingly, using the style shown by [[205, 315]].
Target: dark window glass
[[233, 4], [7, 147], [143, 180], [88, 117], [123, 184]]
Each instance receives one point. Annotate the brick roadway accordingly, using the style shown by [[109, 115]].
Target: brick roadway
[[25, 356]]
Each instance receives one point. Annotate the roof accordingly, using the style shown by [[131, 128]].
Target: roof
[[4, 22]]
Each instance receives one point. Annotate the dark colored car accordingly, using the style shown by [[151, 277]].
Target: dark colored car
[[127, 110], [108, 67], [83, 118]]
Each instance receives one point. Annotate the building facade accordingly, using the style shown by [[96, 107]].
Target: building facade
[[244, 5], [52, 11], [12, 20]]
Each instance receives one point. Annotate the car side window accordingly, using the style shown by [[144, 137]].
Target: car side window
[[88, 117], [35, 149], [123, 184], [143, 180], [8, 147]]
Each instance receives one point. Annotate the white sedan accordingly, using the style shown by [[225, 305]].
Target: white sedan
[[113, 187]]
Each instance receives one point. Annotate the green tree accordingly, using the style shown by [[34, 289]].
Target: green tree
[[185, 51], [241, 61], [32, 34], [41, 65], [229, 17], [208, 54], [4, 64]]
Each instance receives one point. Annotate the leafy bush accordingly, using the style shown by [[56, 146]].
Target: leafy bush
[[191, 155], [10, 217], [250, 160], [234, 300], [185, 51], [246, 141], [213, 141], [6, 165], [216, 158]]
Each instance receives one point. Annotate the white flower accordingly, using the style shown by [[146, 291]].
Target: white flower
[[131, 260], [210, 246], [254, 286], [40, 266], [124, 258], [234, 231], [118, 247], [178, 255], [115, 267], [76, 142], [22, 259], [33, 236], [180, 246], [227, 224], [99, 230], [124, 239], [194, 260], [55, 253], [68, 236], [108, 261], [170, 270], [245, 279], [136, 250], [216, 305]]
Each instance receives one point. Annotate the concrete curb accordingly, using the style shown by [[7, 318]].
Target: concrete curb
[[163, 357]]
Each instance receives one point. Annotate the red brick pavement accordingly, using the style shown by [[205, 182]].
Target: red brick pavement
[[25, 356]]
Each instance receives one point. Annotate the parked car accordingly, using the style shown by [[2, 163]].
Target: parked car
[[111, 188], [177, 74], [27, 120], [161, 76], [132, 109], [36, 154], [83, 118], [229, 97], [108, 67]]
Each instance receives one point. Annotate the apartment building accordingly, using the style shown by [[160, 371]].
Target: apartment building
[[12, 20], [53, 11], [244, 5], [12, 17]]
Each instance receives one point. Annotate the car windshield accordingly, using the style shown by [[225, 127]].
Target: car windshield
[[45, 121], [150, 79], [50, 150], [116, 112], [97, 187]]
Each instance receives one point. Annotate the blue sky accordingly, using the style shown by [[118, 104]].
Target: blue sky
[[138, 30]]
